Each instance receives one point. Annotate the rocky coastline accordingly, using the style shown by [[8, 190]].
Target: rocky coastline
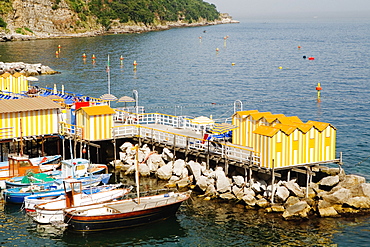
[[26, 69], [334, 195], [115, 28]]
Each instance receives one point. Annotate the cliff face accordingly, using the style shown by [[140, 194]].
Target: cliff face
[[38, 17]]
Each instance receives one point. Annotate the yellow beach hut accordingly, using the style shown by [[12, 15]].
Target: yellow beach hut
[[97, 122], [16, 83], [28, 117]]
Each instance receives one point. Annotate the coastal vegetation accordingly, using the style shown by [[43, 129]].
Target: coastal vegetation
[[95, 14]]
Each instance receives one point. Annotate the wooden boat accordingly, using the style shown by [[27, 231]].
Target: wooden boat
[[19, 165], [47, 213], [69, 168], [16, 195], [124, 213], [39, 198]]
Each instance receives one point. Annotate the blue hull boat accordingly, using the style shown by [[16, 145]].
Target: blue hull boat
[[16, 195]]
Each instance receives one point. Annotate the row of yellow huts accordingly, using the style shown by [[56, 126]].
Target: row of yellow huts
[[284, 141]]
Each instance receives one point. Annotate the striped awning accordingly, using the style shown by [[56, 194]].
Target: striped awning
[[108, 97], [220, 128]]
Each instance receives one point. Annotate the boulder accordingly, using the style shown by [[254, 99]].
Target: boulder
[[291, 201], [330, 181], [227, 196], [351, 181], [250, 200], [249, 191], [154, 162], [328, 212], [277, 208], [144, 170], [360, 202], [195, 169], [299, 210], [262, 203], [294, 188], [239, 180], [238, 192], [338, 197], [282, 193], [178, 167], [202, 183], [184, 182], [167, 154], [164, 172], [125, 146], [222, 182], [211, 191]]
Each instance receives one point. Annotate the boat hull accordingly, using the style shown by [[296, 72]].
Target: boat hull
[[118, 221]]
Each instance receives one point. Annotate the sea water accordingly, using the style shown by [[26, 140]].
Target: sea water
[[203, 71]]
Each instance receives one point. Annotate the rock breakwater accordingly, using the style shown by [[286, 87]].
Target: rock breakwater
[[335, 194], [26, 69]]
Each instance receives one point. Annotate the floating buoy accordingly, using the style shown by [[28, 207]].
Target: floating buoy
[[84, 150], [59, 46], [318, 89], [299, 47], [232, 64], [57, 53], [93, 57], [217, 49], [121, 58], [84, 55], [311, 58], [304, 57], [134, 63], [225, 37], [280, 67]]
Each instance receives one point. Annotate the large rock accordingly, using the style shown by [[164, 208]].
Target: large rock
[[154, 162], [167, 154], [164, 172], [211, 191], [364, 189], [178, 167], [249, 191], [238, 192], [298, 210], [239, 180], [294, 188], [282, 193], [262, 203], [227, 196], [250, 200], [328, 212], [329, 181], [222, 182], [144, 170], [202, 183], [360, 202], [352, 181], [338, 197], [195, 169]]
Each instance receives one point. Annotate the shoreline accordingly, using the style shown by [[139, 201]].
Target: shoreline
[[116, 29]]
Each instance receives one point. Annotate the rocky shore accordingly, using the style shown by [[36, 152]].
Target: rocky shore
[[115, 28], [26, 69], [335, 195]]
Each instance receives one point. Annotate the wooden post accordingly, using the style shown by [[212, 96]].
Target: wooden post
[[250, 176], [207, 164], [288, 176], [64, 148], [272, 182], [308, 180], [174, 148]]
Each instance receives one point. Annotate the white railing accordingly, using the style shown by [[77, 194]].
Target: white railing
[[157, 118], [225, 150]]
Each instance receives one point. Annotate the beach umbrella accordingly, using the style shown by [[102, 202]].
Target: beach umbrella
[[31, 78], [220, 128], [202, 120], [108, 97], [126, 99]]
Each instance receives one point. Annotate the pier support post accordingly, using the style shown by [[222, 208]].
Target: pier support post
[[307, 180], [272, 182], [288, 176]]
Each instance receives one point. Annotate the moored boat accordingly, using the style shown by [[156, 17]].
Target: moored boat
[[16, 195], [124, 213], [71, 168], [75, 195]]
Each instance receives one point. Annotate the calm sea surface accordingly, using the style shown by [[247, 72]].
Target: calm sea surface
[[180, 74]]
